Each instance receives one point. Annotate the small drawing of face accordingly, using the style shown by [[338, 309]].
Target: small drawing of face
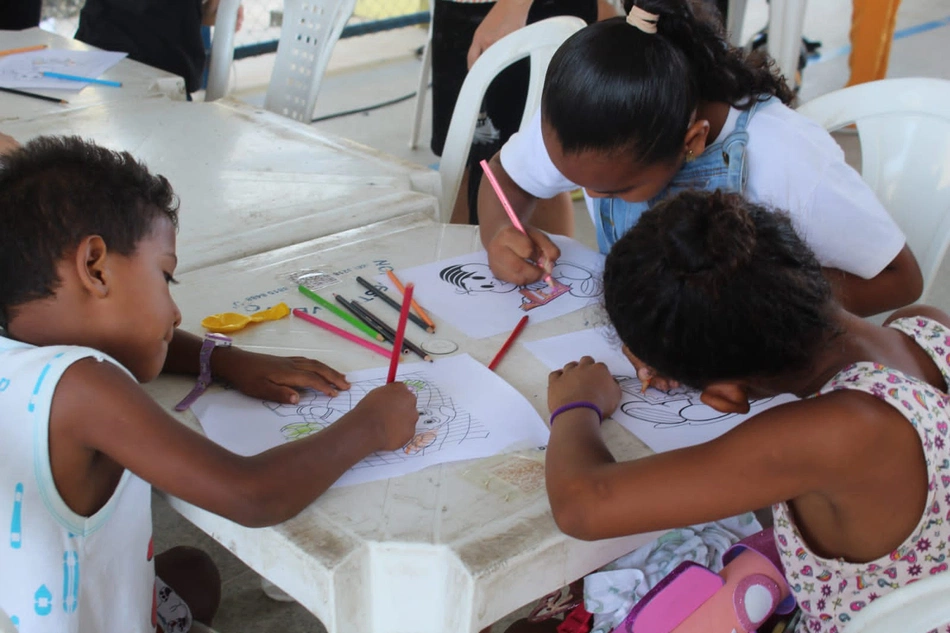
[[470, 278]]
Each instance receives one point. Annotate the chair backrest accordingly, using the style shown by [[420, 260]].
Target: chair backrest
[[916, 608], [309, 32], [904, 128], [538, 41]]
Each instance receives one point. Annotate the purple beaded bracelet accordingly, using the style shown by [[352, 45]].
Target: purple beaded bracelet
[[580, 404]]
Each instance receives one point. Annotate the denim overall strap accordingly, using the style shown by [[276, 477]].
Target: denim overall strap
[[721, 166]]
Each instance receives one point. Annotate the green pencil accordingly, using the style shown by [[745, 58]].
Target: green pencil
[[323, 303]]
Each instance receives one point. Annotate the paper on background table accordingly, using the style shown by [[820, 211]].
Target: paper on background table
[[663, 420], [465, 412], [25, 70], [463, 291]]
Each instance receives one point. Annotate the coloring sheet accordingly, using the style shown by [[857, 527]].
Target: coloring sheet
[[463, 291], [465, 412], [663, 420], [25, 70]]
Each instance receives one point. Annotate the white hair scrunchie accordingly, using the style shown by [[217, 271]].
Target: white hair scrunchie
[[643, 20]]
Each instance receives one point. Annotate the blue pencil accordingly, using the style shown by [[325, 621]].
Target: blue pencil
[[92, 80]]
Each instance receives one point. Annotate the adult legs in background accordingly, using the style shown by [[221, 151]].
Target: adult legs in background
[[192, 574], [872, 30], [16, 15]]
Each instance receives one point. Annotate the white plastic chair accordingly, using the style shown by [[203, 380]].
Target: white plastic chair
[[424, 72], [786, 23], [916, 608], [538, 41], [904, 127], [310, 30], [6, 624]]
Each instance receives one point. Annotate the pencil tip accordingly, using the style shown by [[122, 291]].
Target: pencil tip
[[430, 330]]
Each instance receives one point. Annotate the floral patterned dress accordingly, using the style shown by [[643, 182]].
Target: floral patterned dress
[[830, 592]]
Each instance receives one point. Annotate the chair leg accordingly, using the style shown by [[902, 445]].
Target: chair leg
[[735, 21], [421, 94], [786, 23]]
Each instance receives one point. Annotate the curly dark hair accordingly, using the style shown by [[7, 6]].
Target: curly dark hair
[[612, 87], [56, 191], [708, 286]]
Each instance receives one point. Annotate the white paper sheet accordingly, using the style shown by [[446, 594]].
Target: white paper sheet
[[465, 412], [463, 291], [663, 420], [25, 70]]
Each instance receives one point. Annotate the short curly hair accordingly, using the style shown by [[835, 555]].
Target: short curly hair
[[708, 286], [56, 191]]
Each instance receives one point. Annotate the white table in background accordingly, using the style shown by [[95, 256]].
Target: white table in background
[[249, 180], [449, 549], [138, 81]]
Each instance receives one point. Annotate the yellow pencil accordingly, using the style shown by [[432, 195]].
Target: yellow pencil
[[422, 313], [25, 49]]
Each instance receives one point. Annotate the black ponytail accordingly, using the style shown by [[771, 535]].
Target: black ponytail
[[613, 87]]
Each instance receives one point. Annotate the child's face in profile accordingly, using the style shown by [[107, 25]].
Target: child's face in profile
[[610, 174], [147, 315]]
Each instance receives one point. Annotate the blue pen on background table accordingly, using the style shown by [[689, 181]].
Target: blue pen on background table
[[92, 80]]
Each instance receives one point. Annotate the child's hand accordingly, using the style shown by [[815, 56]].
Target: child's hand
[[392, 410], [647, 376], [7, 144], [584, 380], [510, 248], [275, 378]]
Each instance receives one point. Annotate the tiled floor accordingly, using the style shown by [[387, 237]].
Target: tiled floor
[[355, 79]]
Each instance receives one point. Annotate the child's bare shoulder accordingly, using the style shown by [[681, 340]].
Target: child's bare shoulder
[[920, 310]]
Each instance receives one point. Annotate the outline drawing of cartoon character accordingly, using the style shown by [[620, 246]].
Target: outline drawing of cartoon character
[[670, 409], [568, 278]]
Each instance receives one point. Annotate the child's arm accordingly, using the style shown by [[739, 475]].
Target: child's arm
[[508, 248], [122, 424], [899, 284], [792, 450], [920, 310], [7, 144], [274, 378]]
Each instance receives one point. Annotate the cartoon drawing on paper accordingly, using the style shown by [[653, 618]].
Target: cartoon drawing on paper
[[673, 408], [441, 423], [571, 279]]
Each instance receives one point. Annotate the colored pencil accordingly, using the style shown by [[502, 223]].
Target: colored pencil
[[395, 304], [511, 212], [323, 303], [508, 343], [387, 334], [400, 334], [24, 93], [387, 331], [24, 49], [415, 304], [91, 80], [300, 314]]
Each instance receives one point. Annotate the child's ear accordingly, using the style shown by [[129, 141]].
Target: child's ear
[[92, 266], [696, 137], [726, 397]]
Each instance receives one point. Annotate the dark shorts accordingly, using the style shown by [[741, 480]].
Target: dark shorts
[[453, 27]]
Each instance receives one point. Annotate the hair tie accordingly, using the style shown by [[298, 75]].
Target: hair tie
[[643, 20]]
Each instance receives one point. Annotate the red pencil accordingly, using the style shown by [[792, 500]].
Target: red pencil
[[300, 314], [511, 339], [400, 332]]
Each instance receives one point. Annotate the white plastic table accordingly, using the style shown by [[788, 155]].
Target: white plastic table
[[138, 81], [449, 549], [249, 181]]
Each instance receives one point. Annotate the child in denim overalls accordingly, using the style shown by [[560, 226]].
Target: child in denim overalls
[[639, 108]]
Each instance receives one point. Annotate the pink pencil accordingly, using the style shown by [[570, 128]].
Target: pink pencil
[[400, 332], [300, 314], [511, 212]]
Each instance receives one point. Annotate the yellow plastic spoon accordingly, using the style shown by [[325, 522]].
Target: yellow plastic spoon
[[232, 321]]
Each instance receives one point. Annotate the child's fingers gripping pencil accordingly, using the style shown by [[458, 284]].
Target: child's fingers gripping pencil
[[512, 215], [400, 334], [508, 343]]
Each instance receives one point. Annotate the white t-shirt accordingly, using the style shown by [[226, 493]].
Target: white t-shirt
[[61, 572], [793, 165]]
